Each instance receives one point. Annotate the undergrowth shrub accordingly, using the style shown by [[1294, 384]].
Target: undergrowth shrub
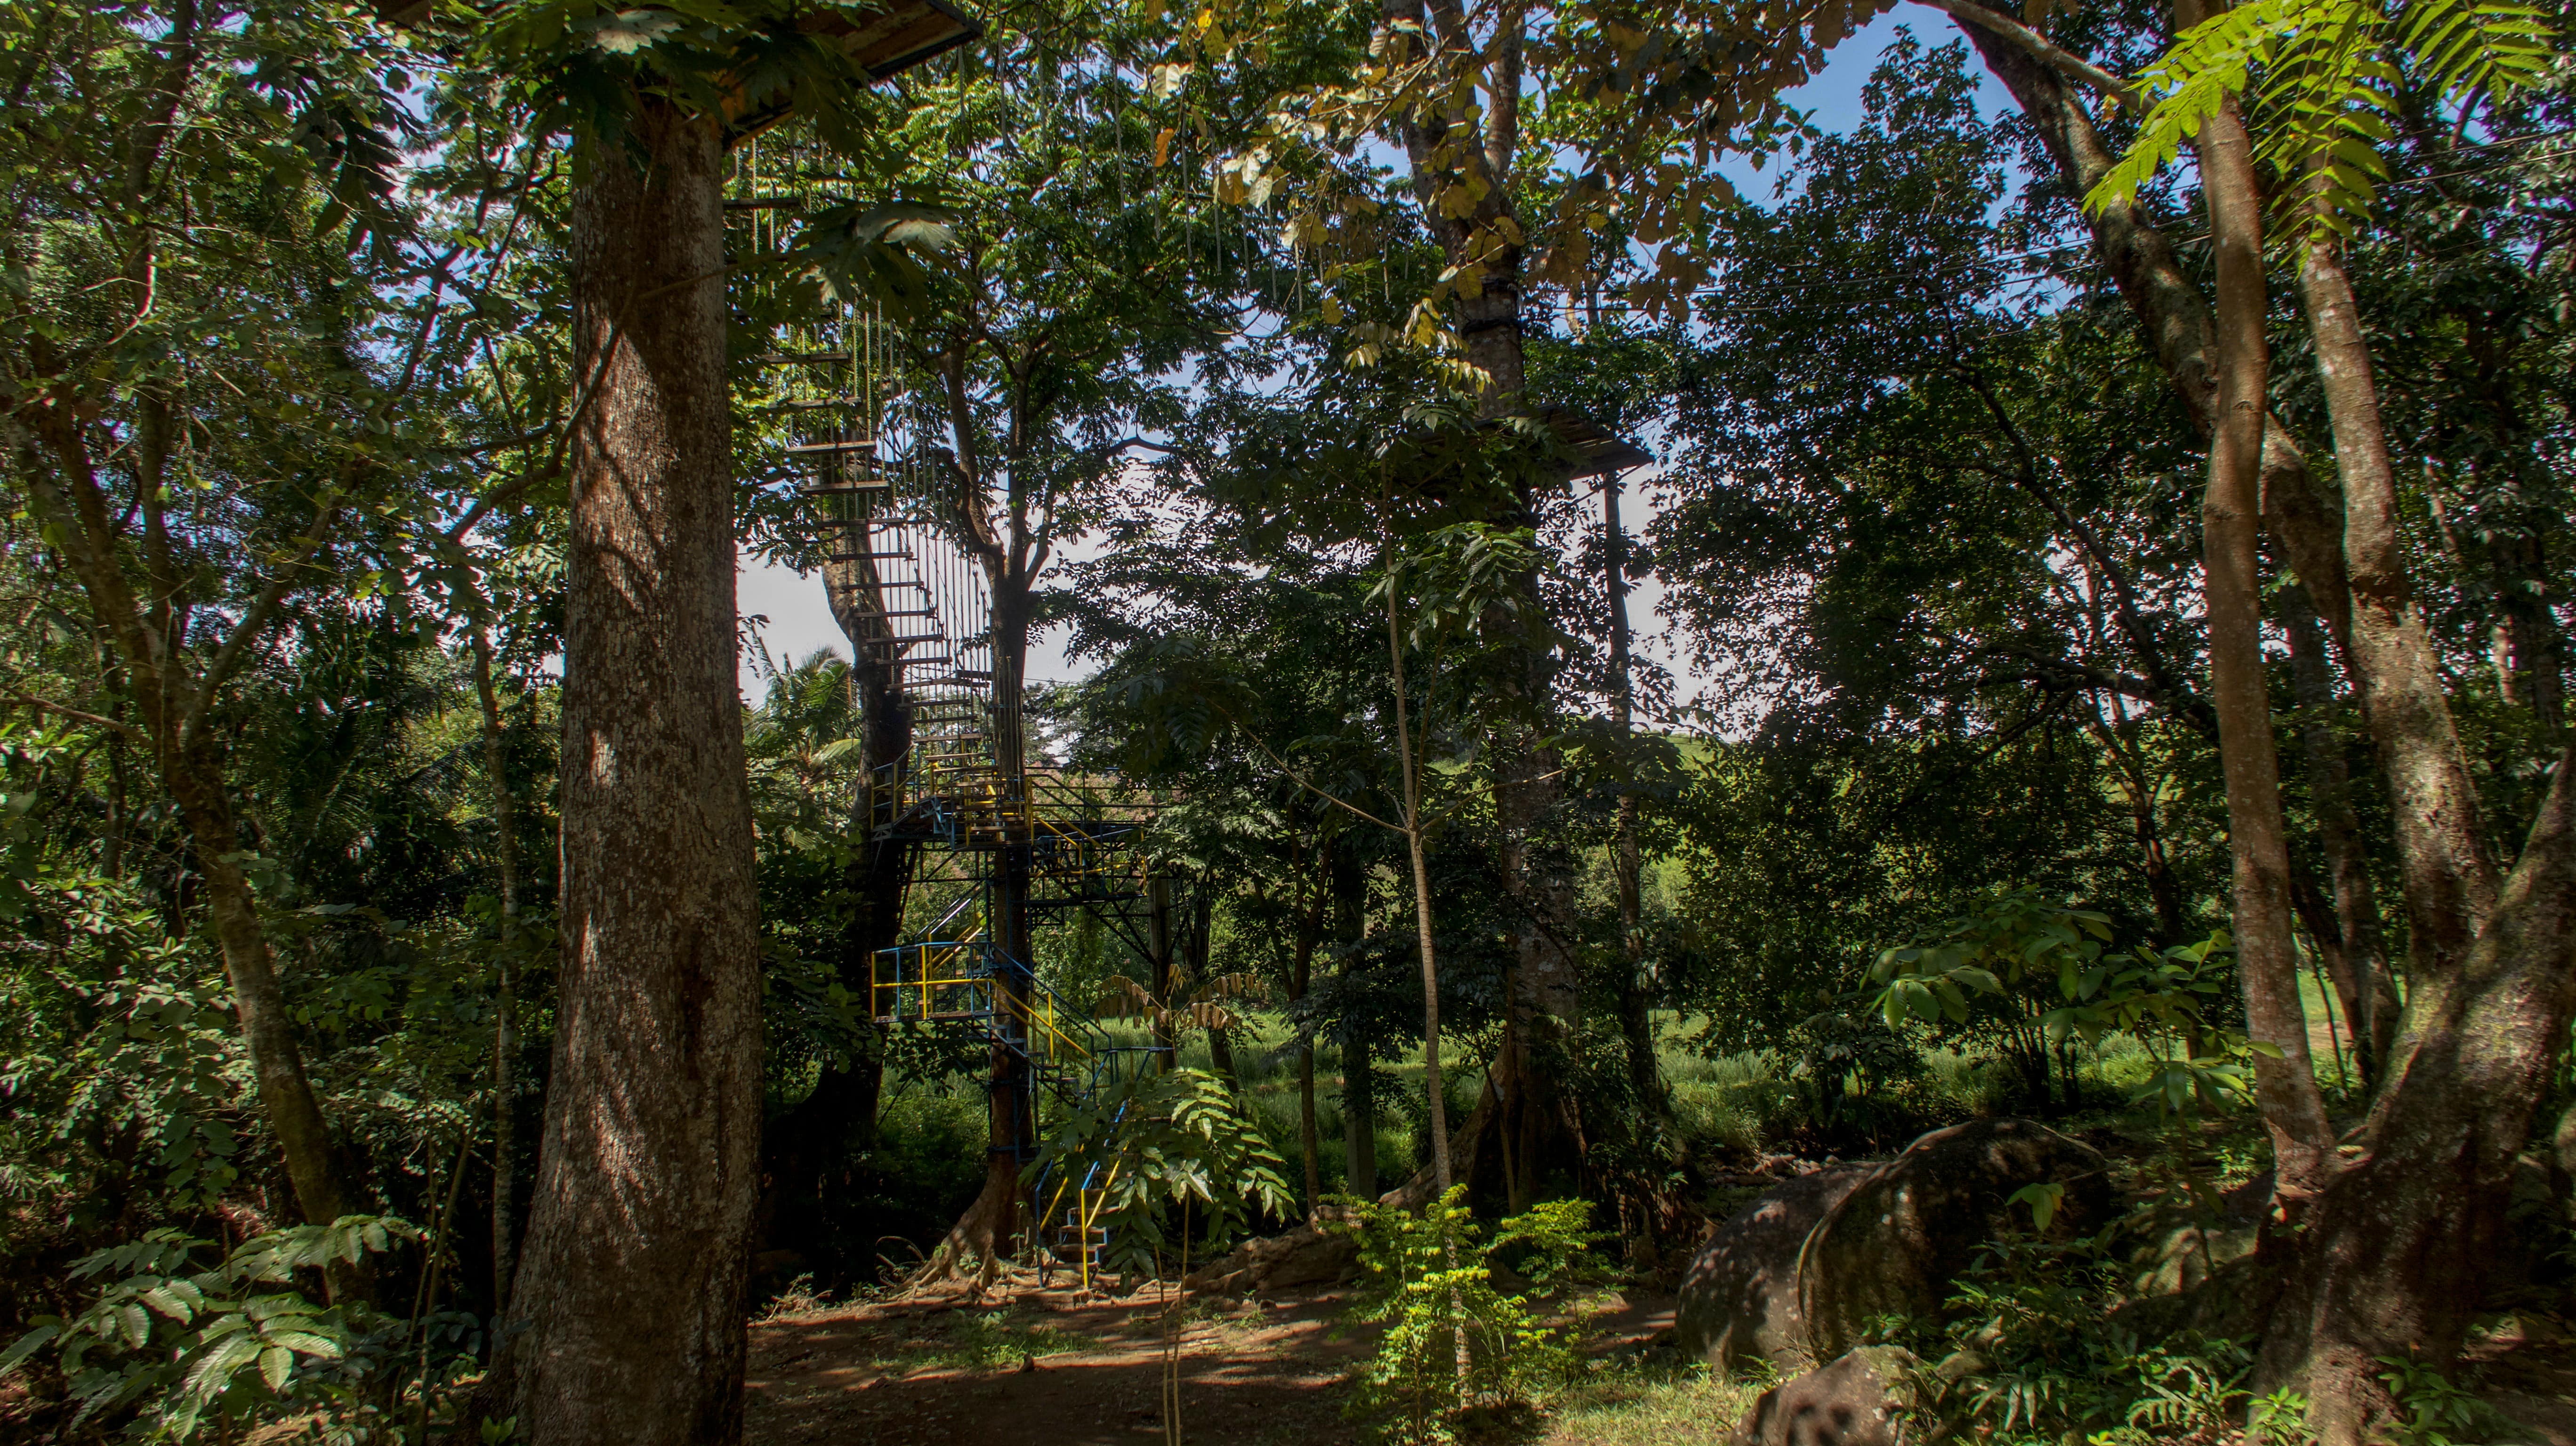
[[2032, 1353], [180, 1349], [1457, 1341]]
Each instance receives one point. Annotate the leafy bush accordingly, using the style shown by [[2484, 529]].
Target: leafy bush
[[1146, 1142], [226, 1346], [2036, 974], [1455, 1341], [2032, 1355]]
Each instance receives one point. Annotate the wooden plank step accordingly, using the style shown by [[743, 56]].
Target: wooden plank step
[[881, 582]]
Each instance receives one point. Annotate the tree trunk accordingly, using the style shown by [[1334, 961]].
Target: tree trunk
[[806, 1148], [1196, 974], [2362, 981], [2174, 320], [2532, 671], [2448, 874], [1158, 938], [1359, 1103], [2303, 1142], [2394, 1251], [505, 1000], [1541, 1128], [1301, 977], [982, 1236], [1435, 1092], [627, 1325], [1636, 1020], [2389, 1251], [259, 1003], [193, 773]]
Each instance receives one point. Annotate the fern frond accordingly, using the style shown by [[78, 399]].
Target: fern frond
[[2328, 93], [2208, 63], [2471, 47]]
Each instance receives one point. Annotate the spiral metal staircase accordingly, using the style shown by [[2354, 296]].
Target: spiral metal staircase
[[997, 847]]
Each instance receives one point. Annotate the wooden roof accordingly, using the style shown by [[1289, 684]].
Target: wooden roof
[[901, 35], [1598, 452]]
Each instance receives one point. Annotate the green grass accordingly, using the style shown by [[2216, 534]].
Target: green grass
[[1636, 1408]]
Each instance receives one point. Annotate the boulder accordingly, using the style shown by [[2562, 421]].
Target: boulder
[[1739, 1299], [1856, 1401], [1893, 1244]]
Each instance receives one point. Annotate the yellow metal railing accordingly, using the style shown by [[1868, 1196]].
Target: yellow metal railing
[[941, 965], [1087, 1205], [1039, 1016]]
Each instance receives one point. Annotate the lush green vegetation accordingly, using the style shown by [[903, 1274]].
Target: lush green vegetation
[[2106, 507]]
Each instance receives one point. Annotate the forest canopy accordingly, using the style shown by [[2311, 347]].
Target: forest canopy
[[1596, 687]]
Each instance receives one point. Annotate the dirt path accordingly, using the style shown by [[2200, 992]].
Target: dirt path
[[1050, 1369]]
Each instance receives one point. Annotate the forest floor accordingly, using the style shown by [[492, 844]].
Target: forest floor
[[1048, 1367], [2523, 1364]]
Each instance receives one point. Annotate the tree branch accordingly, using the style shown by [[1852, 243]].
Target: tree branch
[[2042, 49], [47, 705]]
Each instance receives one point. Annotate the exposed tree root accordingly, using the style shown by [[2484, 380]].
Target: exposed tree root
[[975, 1248]]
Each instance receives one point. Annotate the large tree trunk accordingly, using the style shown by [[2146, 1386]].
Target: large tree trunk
[[2387, 1262], [1541, 1131], [627, 1326], [2396, 1248], [2303, 1142]]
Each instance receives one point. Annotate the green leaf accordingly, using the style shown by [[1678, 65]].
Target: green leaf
[[2043, 1200], [306, 1343], [47, 1329]]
